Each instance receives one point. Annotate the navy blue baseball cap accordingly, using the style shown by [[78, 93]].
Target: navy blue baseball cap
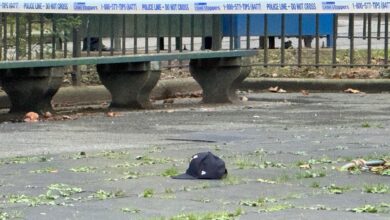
[[204, 165]]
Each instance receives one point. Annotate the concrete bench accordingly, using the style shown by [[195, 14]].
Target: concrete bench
[[31, 84]]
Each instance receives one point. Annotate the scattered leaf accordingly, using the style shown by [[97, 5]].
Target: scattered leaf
[[386, 172], [366, 209], [47, 115], [196, 94], [45, 170], [333, 189], [103, 195], [244, 98], [31, 117], [311, 174], [273, 89], [168, 101], [113, 114], [266, 181], [305, 92], [83, 169], [353, 91], [66, 117], [129, 210], [148, 193], [305, 166], [277, 89], [377, 188]]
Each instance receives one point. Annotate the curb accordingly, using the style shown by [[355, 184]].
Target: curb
[[318, 85], [168, 88]]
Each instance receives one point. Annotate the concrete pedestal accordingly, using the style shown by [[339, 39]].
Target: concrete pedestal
[[220, 77], [130, 84], [31, 89]]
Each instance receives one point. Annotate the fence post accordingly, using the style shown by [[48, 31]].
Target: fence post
[[216, 33], [76, 75]]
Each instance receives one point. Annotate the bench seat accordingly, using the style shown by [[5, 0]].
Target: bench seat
[[31, 84], [206, 54]]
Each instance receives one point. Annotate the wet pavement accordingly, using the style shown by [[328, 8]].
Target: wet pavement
[[99, 167]]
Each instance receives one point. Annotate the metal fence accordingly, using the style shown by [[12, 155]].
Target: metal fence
[[353, 40]]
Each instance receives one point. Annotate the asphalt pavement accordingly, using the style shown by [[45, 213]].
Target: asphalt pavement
[[283, 152]]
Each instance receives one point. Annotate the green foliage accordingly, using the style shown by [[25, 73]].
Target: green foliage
[[386, 172], [209, 216], [143, 160], [276, 208], [315, 185], [130, 210], [77, 156], [378, 208], [245, 164], [322, 160], [258, 203], [103, 195], [4, 215], [267, 204], [63, 190], [311, 174], [155, 149], [366, 208], [83, 169], [25, 159], [170, 172], [110, 154], [333, 189], [32, 200], [50, 197], [169, 191], [369, 125], [65, 26], [45, 170], [10, 215], [376, 188], [148, 193]]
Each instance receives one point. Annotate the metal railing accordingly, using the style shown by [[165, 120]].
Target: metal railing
[[354, 40]]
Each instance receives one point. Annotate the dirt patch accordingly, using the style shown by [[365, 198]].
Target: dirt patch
[[320, 73], [89, 75], [309, 70]]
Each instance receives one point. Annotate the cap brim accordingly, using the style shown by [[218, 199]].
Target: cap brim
[[183, 176]]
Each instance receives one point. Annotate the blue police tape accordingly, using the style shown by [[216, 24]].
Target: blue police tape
[[194, 6]]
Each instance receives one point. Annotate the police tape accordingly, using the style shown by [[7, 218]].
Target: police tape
[[195, 7]]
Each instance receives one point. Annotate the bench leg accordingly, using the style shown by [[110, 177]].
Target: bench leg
[[130, 84], [31, 89], [220, 77]]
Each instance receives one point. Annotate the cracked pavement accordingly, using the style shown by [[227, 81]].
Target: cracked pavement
[[99, 167]]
